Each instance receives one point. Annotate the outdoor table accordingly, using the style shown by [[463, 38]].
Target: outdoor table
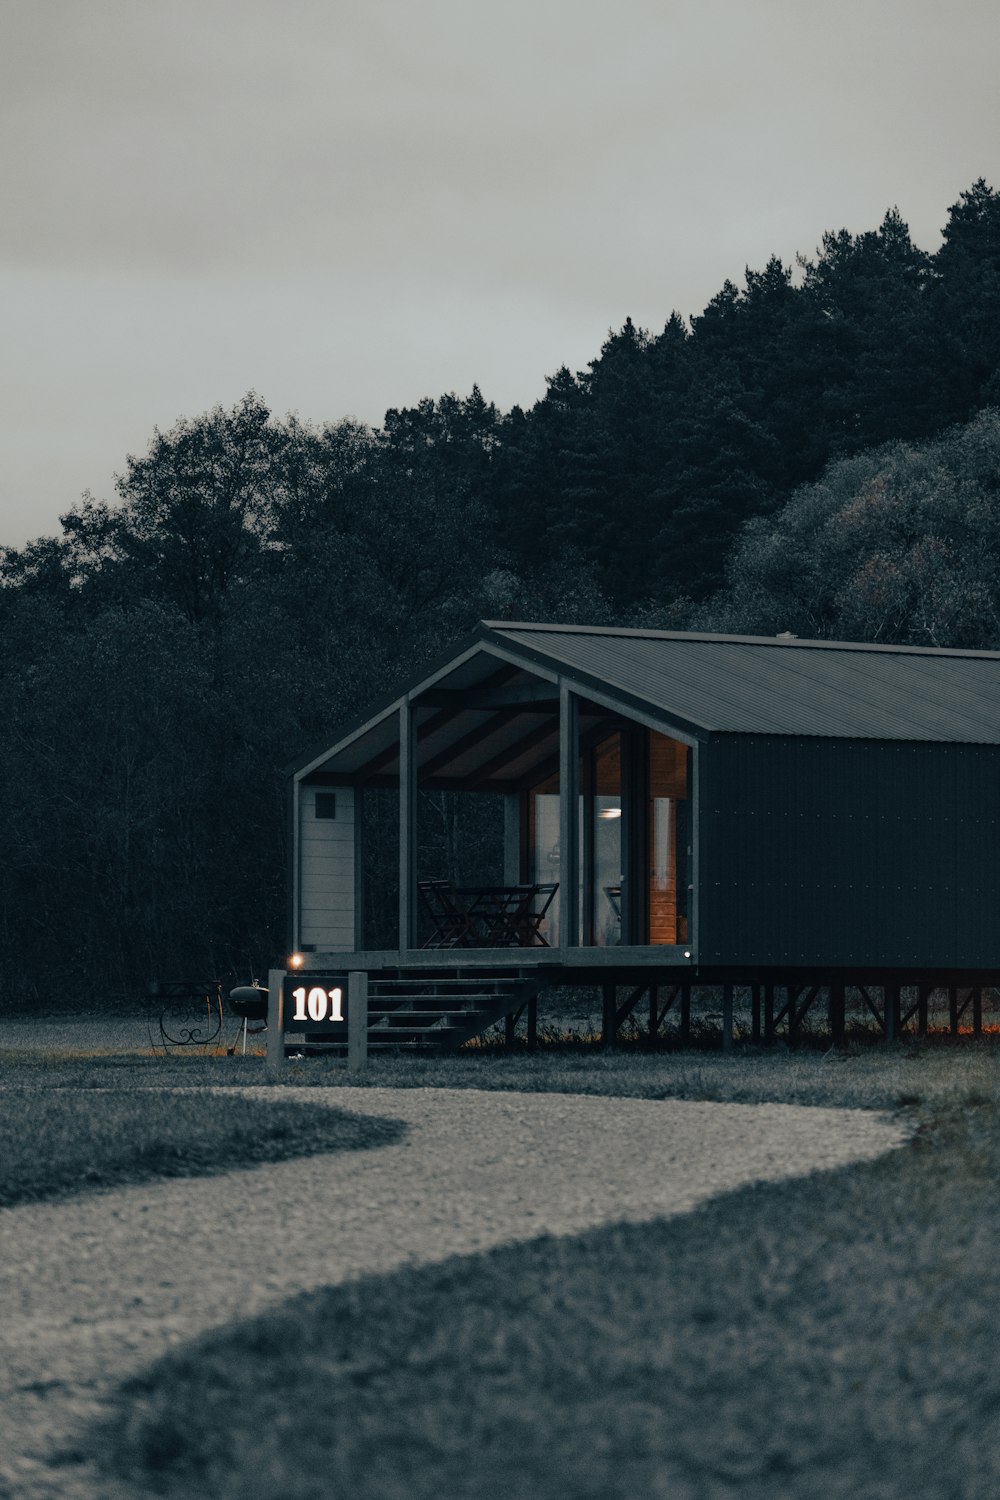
[[487, 916]]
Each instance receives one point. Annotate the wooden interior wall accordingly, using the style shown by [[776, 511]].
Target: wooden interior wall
[[668, 761]]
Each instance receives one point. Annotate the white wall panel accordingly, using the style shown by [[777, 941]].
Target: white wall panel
[[326, 872]]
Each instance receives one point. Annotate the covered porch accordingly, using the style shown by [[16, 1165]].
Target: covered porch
[[536, 824]]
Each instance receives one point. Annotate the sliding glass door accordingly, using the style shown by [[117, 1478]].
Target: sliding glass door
[[634, 838]]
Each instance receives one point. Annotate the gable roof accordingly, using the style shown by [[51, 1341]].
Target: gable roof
[[780, 685], [695, 685]]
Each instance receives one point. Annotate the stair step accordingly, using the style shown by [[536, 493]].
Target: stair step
[[504, 979], [433, 1015], [446, 986], [437, 1005]]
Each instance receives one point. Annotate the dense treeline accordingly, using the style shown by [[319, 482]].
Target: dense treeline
[[790, 461]]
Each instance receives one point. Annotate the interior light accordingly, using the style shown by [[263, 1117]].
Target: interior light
[[610, 812], [296, 960]]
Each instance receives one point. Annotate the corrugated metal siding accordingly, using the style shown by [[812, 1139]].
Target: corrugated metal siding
[[821, 852], [749, 687]]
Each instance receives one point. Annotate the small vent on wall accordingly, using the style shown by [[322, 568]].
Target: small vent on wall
[[326, 804]]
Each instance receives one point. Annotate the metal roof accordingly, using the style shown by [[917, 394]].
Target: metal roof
[[691, 684], [765, 685]]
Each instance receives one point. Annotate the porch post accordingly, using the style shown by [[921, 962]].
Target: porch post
[[569, 818], [359, 868], [275, 1020], [407, 826]]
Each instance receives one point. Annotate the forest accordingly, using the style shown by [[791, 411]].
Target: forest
[[817, 452]]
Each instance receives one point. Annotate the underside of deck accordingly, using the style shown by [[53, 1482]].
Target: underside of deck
[[436, 1002]]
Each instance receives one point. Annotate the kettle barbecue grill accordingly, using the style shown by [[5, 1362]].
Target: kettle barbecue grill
[[249, 1002]]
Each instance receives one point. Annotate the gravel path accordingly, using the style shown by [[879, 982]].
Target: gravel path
[[95, 1288]]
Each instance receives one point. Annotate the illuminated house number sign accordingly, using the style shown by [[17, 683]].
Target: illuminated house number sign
[[317, 1004]]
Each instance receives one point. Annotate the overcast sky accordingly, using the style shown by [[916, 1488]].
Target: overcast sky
[[350, 204]]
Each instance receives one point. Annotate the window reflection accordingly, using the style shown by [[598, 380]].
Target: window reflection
[[668, 840], [613, 827], [607, 835]]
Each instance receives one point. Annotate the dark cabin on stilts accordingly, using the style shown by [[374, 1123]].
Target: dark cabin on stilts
[[659, 811]]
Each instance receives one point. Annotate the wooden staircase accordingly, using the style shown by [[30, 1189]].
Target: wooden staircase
[[431, 1015]]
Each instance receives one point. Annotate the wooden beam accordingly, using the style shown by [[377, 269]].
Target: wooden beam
[[384, 758], [539, 697], [429, 726], [609, 996], [907, 1016], [407, 827], [509, 1027], [672, 998], [837, 1000], [523, 746], [628, 1005], [591, 736], [569, 818], [923, 1007], [872, 1007], [467, 741], [890, 994], [792, 993], [727, 1018]]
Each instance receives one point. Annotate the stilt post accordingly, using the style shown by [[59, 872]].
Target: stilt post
[[509, 1028], [609, 1005], [837, 1001], [727, 1018], [685, 1014], [769, 1012]]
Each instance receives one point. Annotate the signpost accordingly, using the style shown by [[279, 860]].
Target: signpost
[[327, 1007]]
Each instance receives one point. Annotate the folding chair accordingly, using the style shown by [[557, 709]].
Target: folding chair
[[529, 922], [451, 925]]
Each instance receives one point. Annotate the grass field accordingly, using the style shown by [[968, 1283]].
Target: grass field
[[831, 1337], [56, 1140]]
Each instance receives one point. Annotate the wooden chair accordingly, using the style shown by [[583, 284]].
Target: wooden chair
[[529, 923], [451, 926]]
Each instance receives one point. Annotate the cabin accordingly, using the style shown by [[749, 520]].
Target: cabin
[[652, 811]]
